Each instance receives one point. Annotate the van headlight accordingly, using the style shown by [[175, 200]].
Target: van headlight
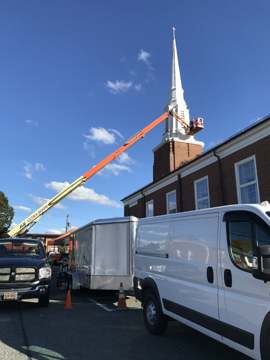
[[45, 273]]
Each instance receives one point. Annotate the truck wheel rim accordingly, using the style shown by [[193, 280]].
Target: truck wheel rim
[[151, 313]]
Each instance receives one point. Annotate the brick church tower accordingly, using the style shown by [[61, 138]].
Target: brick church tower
[[177, 147]]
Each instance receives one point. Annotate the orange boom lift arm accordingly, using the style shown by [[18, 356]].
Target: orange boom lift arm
[[35, 216]]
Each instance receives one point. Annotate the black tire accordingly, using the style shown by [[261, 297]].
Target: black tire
[[155, 321], [44, 300], [265, 337]]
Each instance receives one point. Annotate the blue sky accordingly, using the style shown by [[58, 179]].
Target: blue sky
[[76, 77]]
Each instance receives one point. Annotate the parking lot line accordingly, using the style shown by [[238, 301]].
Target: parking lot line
[[5, 319], [102, 306]]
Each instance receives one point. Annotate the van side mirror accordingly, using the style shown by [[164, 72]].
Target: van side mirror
[[261, 263]]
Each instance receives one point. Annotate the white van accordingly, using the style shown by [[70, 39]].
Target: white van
[[209, 269]]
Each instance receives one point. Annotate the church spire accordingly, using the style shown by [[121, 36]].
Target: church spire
[[174, 129], [178, 145], [177, 92]]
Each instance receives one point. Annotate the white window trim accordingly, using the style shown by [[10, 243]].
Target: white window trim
[[167, 201], [133, 204], [146, 207], [195, 191], [238, 186]]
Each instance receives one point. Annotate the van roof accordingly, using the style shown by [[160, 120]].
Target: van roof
[[261, 208]]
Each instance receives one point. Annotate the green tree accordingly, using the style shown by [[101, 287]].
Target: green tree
[[6, 214]]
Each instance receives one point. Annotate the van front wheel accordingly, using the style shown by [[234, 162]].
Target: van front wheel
[[154, 319]]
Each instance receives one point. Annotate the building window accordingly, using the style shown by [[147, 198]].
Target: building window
[[246, 181], [171, 202], [149, 210], [201, 191]]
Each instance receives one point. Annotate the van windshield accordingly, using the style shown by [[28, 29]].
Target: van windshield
[[9, 248]]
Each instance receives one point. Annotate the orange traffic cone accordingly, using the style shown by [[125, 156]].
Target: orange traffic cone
[[121, 298], [68, 304]]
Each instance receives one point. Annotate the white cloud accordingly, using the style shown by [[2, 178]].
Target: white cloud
[[83, 194], [117, 133], [100, 134], [138, 87], [118, 86], [120, 165], [39, 167], [56, 231], [124, 158], [38, 200], [29, 169], [32, 123], [22, 208], [144, 56], [115, 169]]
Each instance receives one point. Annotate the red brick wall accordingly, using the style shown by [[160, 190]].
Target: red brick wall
[[260, 149], [171, 155], [136, 210], [159, 197], [214, 186], [185, 152]]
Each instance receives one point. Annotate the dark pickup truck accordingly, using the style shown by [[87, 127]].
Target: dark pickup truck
[[24, 270]]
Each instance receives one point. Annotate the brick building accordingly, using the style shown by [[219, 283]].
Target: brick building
[[185, 178]]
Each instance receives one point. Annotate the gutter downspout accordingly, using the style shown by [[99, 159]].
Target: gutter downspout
[[173, 149], [180, 188], [220, 178], [144, 210]]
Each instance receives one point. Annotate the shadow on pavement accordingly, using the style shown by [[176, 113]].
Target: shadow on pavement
[[88, 332]]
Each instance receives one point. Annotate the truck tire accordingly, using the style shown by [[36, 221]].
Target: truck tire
[[44, 300], [155, 321], [265, 338]]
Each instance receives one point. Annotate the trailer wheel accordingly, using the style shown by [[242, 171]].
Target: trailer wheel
[[155, 321]]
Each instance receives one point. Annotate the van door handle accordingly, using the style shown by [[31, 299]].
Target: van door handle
[[210, 274], [228, 277]]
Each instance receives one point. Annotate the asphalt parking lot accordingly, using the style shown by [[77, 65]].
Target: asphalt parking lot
[[94, 329]]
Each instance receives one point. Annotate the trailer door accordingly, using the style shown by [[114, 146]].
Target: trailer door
[[112, 249], [83, 255]]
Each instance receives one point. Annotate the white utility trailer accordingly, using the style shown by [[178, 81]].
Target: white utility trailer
[[102, 253]]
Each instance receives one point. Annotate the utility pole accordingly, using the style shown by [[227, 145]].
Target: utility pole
[[67, 223]]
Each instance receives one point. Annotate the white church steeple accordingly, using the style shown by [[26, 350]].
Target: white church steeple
[[174, 129], [178, 145]]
